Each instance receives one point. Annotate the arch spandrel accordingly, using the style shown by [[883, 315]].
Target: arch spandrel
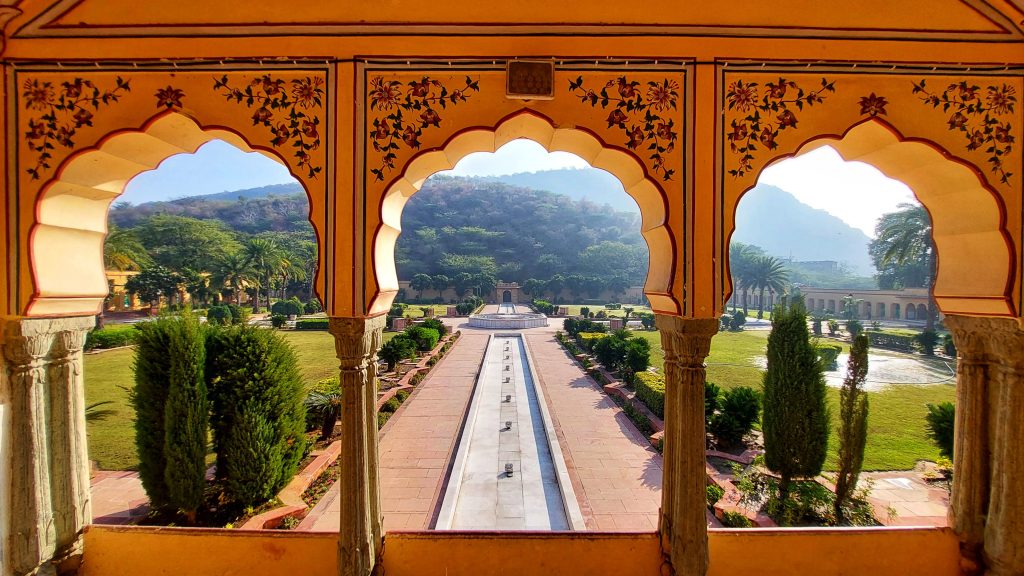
[[963, 170], [629, 123], [83, 136]]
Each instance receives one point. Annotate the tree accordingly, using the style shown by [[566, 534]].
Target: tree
[[853, 424], [122, 250], [533, 287], [264, 256], [608, 258], [440, 282], [152, 283], [939, 421], [234, 271], [555, 285], [795, 420], [185, 416], [180, 243], [767, 273], [397, 349], [738, 410], [741, 265], [327, 405], [152, 368], [902, 246], [421, 282]]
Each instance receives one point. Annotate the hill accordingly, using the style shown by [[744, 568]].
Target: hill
[[589, 184]]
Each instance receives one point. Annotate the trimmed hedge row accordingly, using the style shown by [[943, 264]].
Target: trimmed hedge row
[[312, 324], [112, 337], [893, 341], [650, 389]]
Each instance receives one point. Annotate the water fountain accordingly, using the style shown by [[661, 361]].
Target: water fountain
[[508, 318]]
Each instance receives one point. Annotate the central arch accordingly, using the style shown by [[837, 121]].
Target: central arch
[[662, 241]]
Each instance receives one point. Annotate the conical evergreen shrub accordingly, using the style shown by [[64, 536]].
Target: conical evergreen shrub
[[186, 416], [258, 412], [149, 397], [795, 419], [853, 424]]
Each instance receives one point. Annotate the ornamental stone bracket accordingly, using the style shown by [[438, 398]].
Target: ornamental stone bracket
[[47, 459]]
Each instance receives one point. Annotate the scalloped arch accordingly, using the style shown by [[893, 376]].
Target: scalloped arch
[[526, 124]]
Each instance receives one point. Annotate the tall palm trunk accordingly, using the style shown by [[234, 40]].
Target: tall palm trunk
[[760, 304], [933, 307]]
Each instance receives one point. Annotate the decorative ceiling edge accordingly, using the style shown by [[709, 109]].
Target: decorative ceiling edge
[[42, 26]]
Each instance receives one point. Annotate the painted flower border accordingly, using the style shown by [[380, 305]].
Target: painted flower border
[[642, 115]]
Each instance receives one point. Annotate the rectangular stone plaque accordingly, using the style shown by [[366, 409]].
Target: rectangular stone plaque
[[530, 79]]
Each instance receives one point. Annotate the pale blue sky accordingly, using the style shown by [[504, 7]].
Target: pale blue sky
[[854, 192]]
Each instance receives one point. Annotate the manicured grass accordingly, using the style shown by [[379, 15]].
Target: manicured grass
[[416, 310], [896, 424], [109, 376], [574, 309]]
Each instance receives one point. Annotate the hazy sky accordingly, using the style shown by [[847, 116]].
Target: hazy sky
[[852, 191]]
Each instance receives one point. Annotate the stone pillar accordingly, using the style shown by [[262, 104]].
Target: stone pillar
[[986, 507], [46, 452], [357, 341], [683, 525]]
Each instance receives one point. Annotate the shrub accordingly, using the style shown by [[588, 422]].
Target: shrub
[[601, 314], [735, 418], [735, 520], [939, 421], [435, 324], [397, 349], [828, 354], [291, 307], [613, 306], [312, 324], [278, 320], [312, 307], [218, 315], [853, 425], [724, 322], [382, 419], [650, 389], [833, 327], [712, 400], [238, 314], [816, 325], [258, 412], [585, 311], [714, 494], [574, 327], [900, 342], [149, 398], [323, 401], [543, 306], [854, 327], [739, 318], [326, 386], [647, 319], [391, 405], [927, 340], [185, 416], [948, 346], [425, 338], [111, 337]]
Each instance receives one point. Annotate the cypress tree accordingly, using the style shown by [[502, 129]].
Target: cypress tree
[[259, 415], [186, 417], [795, 420], [853, 423], [152, 381]]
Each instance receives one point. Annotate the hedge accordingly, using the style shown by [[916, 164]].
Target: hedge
[[112, 337], [893, 341], [312, 324], [828, 354], [650, 389]]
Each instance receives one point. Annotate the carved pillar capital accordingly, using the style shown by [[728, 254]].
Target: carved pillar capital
[[356, 340], [686, 341], [988, 340]]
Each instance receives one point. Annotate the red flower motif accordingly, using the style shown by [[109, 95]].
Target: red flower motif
[[767, 138], [410, 137], [1002, 134], [787, 119], [74, 89], [873, 105], [778, 91], [617, 118], [977, 139], [309, 130], [281, 135], [64, 135], [307, 91], [627, 89], [383, 95], [664, 131], [429, 116], [380, 131], [1001, 100], [967, 92], [262, 115], [458, 95], [419, 89], [739, 131], [271, 87], [663, 96], [82, 118], [36, 130], [636, 137], [957, 121], [169, 97], [38, 95], [741, 96]]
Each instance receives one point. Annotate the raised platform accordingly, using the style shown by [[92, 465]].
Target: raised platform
[[507, 318]]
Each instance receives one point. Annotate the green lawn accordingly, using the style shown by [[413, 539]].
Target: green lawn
[[416, 310], [108, 376], [896, 425], [574, 309]]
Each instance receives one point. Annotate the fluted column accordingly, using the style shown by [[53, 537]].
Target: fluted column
[[683, 524], [357, 341], [48, 458], [986, 508]]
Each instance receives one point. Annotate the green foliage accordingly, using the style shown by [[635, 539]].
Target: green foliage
[[714, 494], [853, 424], [425, 338], [892, 341], [833, 327], [258, 413], [323, 401], [585, 311], [735, 520], [828, 354], [854, 327], [939, 423], [218, 315], [291, 307], [312, 324], [816, 325], [149, 398], [239, 315], [544, 307], [111, 337], [712, 400], [736, 416], [185, 416], [435, 324], [739, 318], [650, 389], [181, 243], [647, 319], [278, 320], [948, 346], [153, 283], [312, 306], [796, 419], [575, 326], [397, 349], [927, 340]]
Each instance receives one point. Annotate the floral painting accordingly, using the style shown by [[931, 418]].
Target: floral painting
[[640, 112], [59, 111], [982, 115], [765, 112], [289, 109], [405, 110]]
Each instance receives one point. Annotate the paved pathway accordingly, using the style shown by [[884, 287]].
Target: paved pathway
[[915, 502], [417, 443], [616, 473], [117, 498]]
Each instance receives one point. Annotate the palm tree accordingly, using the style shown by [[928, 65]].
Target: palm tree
[[741, 265], [122, 250], [905, 237], [263, 255], [235, 272], [767, 273]]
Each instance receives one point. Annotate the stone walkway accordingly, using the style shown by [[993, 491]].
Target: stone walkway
[[117, 498], [416, 444], [914, 501], [616, 473]]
